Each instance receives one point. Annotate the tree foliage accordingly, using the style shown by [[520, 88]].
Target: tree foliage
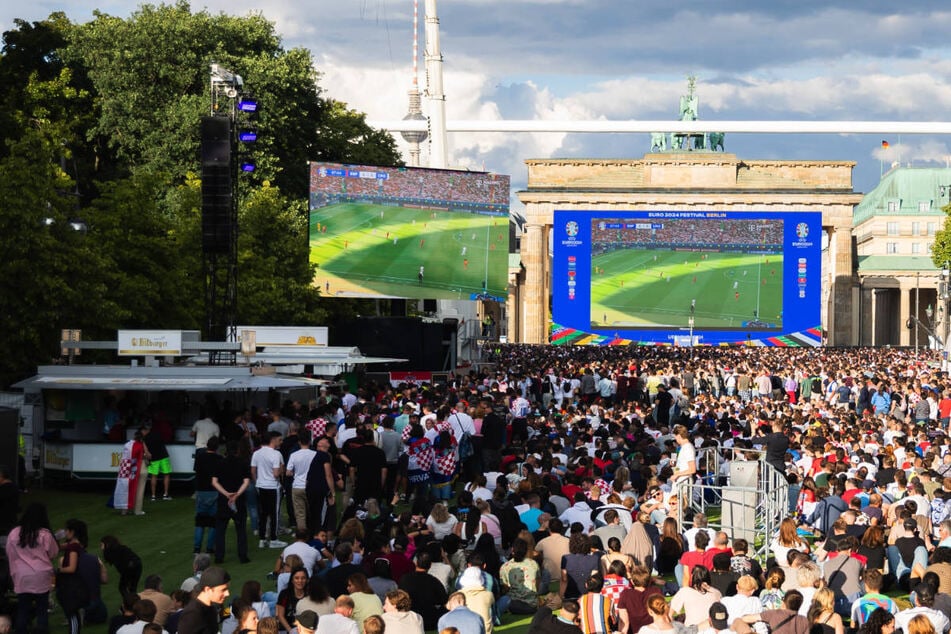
[[101, 122], [941, 249]]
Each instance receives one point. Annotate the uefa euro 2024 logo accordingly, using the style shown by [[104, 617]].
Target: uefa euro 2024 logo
[[571, 228], [802, 230]]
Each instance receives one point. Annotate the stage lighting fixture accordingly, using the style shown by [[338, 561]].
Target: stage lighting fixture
[[247, 167], [247, 105], [248, 136]]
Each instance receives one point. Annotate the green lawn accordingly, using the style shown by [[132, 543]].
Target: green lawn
[[374, 249], [639, 288], [162, 538]]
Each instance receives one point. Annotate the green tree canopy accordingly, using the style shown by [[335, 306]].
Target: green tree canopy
[[101, 122]]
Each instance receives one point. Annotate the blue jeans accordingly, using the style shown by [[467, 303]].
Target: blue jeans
[[206, 506], [898, 567], [251, 500]]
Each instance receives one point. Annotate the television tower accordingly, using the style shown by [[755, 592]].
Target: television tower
[[415, 110], [438, 155]]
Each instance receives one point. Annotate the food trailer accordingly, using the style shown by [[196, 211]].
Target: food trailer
[[76, 407]]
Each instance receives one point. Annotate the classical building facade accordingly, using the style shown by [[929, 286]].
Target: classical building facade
[[899, 288], [684, 181]]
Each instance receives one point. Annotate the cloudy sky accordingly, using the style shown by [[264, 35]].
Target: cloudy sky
[[597, 59]]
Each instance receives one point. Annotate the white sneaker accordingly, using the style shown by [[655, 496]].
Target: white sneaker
[[262, 543], [276, 543]]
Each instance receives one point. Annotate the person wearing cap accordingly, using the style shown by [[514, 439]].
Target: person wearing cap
[[719, 620], [338, 622], [479, 599], [201, 615]]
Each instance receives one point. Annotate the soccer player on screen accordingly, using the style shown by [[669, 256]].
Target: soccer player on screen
[[421, 272]]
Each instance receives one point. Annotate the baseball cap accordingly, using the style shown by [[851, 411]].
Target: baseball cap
[[719, 617], [308, 619], [213, 577]]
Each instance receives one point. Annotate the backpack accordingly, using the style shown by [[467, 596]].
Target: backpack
[[816, 385], [566, 387]]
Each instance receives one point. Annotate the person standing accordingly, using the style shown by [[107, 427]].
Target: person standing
[[159, 462], [231, 479], [206, 497], [367, 467], [203, 429], [686, 466], [267, 465], [298, 464], [9, 502], [130, 484], [30, 550], [321, 498]]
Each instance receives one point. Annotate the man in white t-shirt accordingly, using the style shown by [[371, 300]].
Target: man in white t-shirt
[[203, 429], [349, 399], [298, 464], [267, 465], [686, 466], [307, 553]]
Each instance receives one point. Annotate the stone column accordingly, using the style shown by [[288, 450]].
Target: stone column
[[534, 303], [512, 303], [840, 322], [904, 314]]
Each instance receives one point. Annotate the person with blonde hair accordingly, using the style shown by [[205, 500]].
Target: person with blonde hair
[[743, 602], [440, 521], [920, 625], [822, 615], [373, 625], [808, 577]]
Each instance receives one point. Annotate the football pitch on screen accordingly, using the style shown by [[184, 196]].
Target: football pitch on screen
[[367, 249], [646, 288]]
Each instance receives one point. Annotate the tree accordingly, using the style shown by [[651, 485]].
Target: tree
[[153, 89], [110, 134], [941, 249]]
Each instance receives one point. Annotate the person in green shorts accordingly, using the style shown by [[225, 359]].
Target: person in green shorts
[[159, 463]]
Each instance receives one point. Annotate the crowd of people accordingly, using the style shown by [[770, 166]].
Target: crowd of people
[[549, 486]]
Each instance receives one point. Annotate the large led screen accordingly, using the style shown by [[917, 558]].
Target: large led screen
[[664, 276], [408, 232]]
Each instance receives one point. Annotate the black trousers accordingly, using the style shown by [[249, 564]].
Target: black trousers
[[240, 518], [268, 506]]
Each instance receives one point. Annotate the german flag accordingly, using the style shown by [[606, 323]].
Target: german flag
[[884, 144]]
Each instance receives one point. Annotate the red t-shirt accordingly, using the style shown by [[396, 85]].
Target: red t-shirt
[[690, 559]]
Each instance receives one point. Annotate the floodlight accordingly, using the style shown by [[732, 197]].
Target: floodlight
[[247, 105], [247, 167], [248, 136]]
